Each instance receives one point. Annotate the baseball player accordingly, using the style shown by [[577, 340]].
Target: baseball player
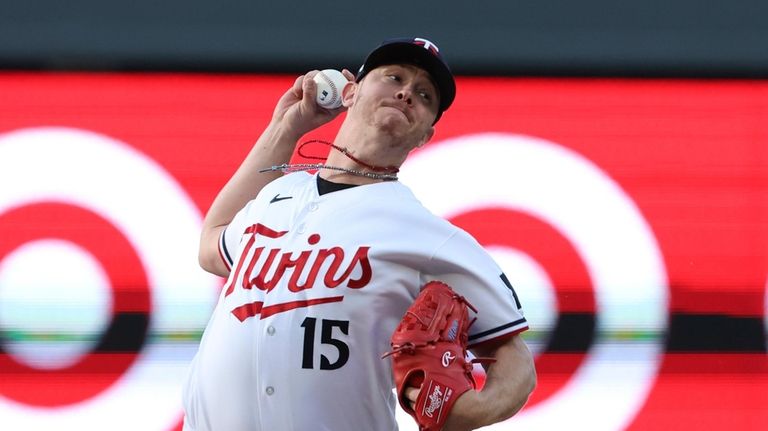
[[322, 266]]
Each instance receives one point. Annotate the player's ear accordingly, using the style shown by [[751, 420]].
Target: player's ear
[[348, 93]]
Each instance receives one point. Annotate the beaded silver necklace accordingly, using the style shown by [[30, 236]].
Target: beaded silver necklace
[[288, 168]]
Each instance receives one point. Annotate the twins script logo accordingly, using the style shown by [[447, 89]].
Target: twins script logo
[[304, 270]]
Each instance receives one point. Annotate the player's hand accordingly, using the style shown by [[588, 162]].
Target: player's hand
[[297, 109]]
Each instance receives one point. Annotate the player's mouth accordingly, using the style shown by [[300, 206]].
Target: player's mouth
[[400, 107]]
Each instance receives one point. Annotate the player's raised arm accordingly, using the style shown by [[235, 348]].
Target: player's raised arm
[[296, 113]]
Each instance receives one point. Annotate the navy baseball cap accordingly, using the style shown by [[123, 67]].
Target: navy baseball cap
[[419, 52]]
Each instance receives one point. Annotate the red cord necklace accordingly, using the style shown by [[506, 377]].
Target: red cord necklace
[[342, 150], [388, 173]]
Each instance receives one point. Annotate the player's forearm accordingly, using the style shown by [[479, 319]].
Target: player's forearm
[[275, 146], [509, 382]]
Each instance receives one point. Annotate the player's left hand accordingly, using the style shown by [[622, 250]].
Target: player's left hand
[[412, 393], [429, 351]]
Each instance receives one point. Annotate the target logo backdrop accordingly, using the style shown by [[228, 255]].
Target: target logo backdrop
[[631, 217], [87, 219], [625, 283]]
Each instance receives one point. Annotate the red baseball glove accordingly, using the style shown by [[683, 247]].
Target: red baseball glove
[[429, 349]]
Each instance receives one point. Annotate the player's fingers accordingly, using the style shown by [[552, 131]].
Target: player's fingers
[[412, 394], [309, 87], [297, 84], [347, 74], [309, 83]]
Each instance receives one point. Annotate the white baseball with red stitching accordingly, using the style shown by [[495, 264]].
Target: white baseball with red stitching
[[330, 82]]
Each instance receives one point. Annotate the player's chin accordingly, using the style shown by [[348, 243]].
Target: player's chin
[[393, 124], [401, 140]]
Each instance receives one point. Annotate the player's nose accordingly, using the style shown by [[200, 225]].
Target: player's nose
[[406, 95]]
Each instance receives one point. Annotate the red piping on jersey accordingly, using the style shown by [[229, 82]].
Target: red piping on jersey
[[257, 307]]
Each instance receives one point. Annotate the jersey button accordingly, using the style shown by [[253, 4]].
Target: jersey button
[[270, 390], [313, 206], [271, 330]]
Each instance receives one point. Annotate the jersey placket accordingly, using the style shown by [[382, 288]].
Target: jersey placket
[[278, 349], [271, 388]]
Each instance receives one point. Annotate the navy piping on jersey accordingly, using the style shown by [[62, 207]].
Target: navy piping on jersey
[[224, 247], [497, 329]]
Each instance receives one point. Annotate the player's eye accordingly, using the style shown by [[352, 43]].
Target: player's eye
[[394, 77], [425, 95]]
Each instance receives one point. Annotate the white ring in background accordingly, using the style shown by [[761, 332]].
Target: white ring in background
[[53, 285], [156, 215], [534, 284], [574, 196]]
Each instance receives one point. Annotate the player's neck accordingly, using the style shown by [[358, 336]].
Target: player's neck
[[386, 148], [354, 174], [359, 152]]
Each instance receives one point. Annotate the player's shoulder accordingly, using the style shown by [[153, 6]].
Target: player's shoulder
[[294, 179], [403, 201], [399, 197], [433, 220], [287, 185]]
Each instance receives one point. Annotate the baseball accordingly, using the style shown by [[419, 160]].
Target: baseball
[[330, 82]]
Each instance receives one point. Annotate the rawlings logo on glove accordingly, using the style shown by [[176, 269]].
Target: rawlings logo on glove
[[436, 401], [429, 349], [447, 359]]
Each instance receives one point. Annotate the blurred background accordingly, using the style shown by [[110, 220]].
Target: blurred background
[[612, 156]]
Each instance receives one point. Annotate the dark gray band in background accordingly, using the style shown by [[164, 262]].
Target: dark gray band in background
[[487, 37]]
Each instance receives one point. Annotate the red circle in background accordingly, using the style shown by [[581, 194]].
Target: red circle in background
[[574, 332], [118, 346]]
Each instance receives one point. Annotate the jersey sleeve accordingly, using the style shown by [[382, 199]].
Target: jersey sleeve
[[466, 266], [229, 240]]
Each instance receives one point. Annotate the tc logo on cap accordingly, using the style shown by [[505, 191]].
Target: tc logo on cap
[[427, 45]]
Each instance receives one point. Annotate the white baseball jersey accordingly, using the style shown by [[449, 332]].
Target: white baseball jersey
[[318, 284]]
